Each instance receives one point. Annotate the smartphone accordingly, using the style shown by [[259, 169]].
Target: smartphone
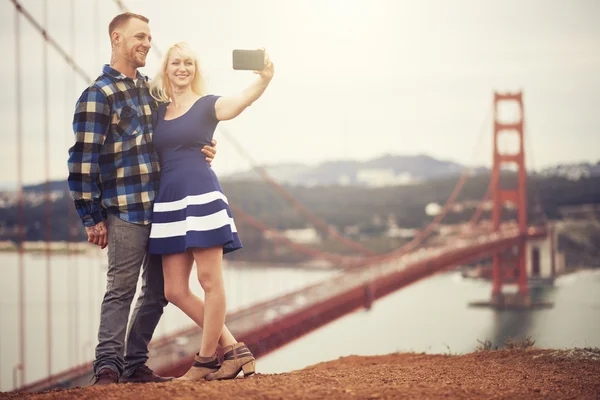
[[248, 60]]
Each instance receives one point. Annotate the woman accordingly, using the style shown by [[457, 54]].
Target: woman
[[191, 218]]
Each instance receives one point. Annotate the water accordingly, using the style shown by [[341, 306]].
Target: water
[[432, 316], [429, 316], [78, 284]]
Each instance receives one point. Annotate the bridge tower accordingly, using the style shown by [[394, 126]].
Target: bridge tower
[[510, 266]]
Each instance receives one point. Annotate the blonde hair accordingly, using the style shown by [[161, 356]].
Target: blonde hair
[[160, 86]]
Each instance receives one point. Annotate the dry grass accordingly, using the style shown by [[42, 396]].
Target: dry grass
[[510, 344], [525, 343]]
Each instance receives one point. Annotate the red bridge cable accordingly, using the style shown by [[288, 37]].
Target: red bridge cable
[[276, 236], [51, 41], [80, 72], [539, 209], [92, 271], [421, 236], [479, 210], [433, 224], [354, 262], [349, 262], [75, 265], [20, 206], [438, 218], [368, 260], [47, 198], [319, 223]]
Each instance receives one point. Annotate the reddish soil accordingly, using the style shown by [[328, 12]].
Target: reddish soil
[[517, 373]]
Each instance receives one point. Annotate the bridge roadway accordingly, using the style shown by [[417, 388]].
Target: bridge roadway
[[266, 326]]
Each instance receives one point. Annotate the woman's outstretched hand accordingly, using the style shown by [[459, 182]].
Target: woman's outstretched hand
[[229, 107], [269, 70]]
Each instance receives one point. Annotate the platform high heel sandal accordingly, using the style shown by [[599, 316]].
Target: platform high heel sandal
[[201, 367], [236, 358]]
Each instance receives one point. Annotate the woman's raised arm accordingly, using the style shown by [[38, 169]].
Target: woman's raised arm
[[229, 107]]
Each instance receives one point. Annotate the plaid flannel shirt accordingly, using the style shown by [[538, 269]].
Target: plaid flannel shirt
[[112, 165]]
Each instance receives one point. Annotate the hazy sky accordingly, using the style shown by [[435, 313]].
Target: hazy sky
[[355, 79]]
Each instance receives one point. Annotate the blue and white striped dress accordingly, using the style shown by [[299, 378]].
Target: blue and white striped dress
[[190, 210]]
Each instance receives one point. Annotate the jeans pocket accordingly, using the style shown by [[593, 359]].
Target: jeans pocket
[[131, 236]]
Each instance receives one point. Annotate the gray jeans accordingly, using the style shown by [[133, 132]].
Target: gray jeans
[[127, 252]]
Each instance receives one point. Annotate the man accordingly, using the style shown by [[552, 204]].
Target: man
[[113, 178]]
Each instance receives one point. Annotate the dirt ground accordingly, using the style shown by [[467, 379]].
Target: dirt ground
[[497, 374]]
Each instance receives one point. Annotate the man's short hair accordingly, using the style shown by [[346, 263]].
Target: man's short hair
[[122, 19]]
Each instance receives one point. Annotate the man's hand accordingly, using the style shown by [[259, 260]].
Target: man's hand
[[97, 234], [210, 151]]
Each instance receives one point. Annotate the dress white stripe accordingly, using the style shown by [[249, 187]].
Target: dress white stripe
[[180, 228], [198, 199]]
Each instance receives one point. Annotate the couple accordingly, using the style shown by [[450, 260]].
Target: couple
[[129, 135]]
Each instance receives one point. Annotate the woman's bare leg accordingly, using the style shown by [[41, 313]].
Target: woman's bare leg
[[176, 271], [210, 275]]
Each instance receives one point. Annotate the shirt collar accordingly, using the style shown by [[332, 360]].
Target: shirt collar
[[110, 71]]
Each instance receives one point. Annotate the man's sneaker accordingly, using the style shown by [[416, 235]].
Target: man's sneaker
[[143, 374], [106, 376]]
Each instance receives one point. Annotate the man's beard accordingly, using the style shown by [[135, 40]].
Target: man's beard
[[136, 59]]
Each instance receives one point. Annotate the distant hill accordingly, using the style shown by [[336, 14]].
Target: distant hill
[[8, 187], [388, 170], [54, 186], [364, 213], [573, 172]]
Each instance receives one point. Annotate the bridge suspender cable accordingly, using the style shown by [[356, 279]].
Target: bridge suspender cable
[[95, 265], [421, 236], [539, 209], [81, 73], [46, 129], [51, 41], [479, 210], [433, 224], [20, 212], [278, 237], [374, 258], [436, 221], [74, 276]]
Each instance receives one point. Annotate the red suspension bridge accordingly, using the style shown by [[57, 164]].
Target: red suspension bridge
[[362, 278]]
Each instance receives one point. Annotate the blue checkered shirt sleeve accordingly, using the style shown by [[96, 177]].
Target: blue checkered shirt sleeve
[[90, 125]]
